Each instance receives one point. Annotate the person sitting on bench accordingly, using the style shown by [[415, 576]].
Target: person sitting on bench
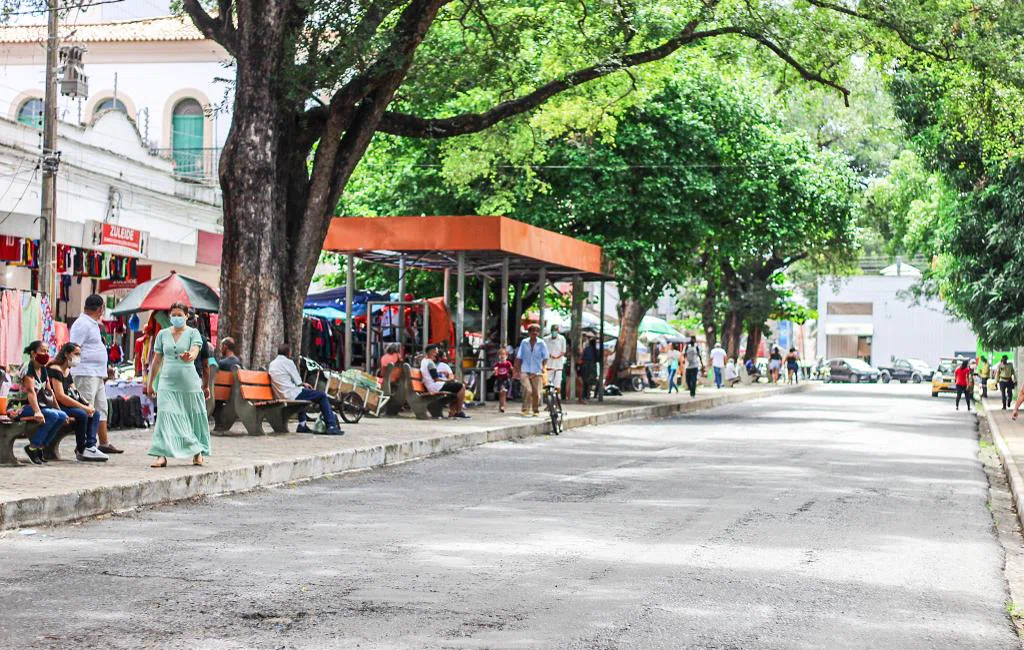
[[287, 384], [752, 370], [436, 384]]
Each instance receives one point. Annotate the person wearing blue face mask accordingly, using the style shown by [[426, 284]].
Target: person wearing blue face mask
[[182, 429]]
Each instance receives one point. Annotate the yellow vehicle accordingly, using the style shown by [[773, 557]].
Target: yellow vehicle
[[942, 379]]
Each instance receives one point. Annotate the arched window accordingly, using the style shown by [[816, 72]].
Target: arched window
[[111, 103], [31, 112], [187, 137]]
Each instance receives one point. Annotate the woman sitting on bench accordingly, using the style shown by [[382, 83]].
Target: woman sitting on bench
[[40, 407], [66, 395]]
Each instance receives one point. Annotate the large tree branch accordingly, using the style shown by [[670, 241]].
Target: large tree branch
[[412, 126], [219, 28], [417, 127], [886, 23]]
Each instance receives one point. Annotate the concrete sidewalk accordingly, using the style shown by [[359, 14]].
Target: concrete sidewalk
[[1008, 437], [68, 490]]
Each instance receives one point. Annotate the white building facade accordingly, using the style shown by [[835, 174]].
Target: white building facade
[[139, 153], [873, 317]]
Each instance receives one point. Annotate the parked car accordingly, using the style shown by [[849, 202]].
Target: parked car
[[904, 370], [852, 371], [942, 378]]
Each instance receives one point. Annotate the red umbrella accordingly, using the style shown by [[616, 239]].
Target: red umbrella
[[160, 294]]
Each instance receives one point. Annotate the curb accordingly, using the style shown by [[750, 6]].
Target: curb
[[1013, 474], [82, 504]]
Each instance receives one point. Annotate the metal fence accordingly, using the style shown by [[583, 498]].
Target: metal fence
[[196, 165]]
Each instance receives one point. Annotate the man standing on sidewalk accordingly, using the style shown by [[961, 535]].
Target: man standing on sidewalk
[[984, 370], [556, 362], [694, 365], [718, 356], [91, 374], [531, 364]]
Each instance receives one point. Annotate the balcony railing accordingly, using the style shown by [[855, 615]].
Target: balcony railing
[[195, 165]]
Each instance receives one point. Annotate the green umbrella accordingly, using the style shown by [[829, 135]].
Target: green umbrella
[[652, 327]]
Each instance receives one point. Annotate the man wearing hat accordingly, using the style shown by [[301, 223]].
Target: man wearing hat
[[532, 365]]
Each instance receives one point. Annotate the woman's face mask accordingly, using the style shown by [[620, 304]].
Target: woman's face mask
[[42, 358], [178, 321], [74, 361]]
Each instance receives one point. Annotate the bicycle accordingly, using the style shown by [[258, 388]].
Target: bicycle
[[553, 403]]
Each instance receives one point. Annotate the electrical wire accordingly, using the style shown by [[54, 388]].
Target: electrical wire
[[42, 10], [23, 193]]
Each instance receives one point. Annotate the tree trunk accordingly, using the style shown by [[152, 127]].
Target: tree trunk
[[630, 313], [754, 334], [731, 333], [575, 335], [707, 313]]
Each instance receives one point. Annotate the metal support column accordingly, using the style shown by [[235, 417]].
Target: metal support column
[[518, 313], [600, 351], [482, 357], [350, 292], [460, 317], [398, 321], [575, 336], [447, 288], [503, 335], [541, 302]]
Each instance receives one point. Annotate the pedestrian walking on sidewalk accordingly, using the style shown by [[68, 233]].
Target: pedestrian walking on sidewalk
[[774, 365], [41, 407], [672, 368], [718, 356], [694, 365], [502, 378], [69, 399], [532, 365], [1007, 377], [793, 366], [984, 372], [962, 376], [182, 429]]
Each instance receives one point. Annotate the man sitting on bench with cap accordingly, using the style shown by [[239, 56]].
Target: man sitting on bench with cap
[[436, 384]]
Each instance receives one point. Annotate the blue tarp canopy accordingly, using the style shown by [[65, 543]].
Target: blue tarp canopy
[[325, 312], [335, 299]]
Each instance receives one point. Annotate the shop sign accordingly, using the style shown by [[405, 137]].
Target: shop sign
[[145, 274], [114, 238]]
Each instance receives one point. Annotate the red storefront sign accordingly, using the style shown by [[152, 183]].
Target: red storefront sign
[[144, 274], [114, 238], [114, 235]]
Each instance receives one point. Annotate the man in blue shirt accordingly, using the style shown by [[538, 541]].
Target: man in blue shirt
[[532, 366]]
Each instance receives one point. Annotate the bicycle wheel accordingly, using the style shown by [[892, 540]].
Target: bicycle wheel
[[555, 411], [352, 408]]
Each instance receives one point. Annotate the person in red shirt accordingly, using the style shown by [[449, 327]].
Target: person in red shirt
[[502, 377], [963, 384]]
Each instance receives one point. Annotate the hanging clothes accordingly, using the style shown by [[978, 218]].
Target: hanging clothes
[[10, 328], [31, 319], [47, 331]]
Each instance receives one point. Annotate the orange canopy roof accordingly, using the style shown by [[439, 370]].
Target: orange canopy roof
[[432, 242]]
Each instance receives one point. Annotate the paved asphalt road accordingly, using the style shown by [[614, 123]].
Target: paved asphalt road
[[845, 517]]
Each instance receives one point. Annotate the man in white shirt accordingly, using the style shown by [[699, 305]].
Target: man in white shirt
[[91, 373], [436, 383], [556, 357], [718, 357], [288, 384]]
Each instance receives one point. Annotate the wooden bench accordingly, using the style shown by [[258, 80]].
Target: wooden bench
[[221, 406], [13, 430], [252, 401], [412, 391]]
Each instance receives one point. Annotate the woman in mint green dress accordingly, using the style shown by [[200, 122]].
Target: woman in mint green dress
[[182, 429]]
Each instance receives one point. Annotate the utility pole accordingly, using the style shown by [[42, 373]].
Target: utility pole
[[50, 161]]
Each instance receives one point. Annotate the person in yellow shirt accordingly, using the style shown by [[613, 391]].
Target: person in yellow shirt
[[984, 372]]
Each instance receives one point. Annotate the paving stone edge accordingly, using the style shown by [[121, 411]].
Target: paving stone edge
[[1013, 474], [82, 504]]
